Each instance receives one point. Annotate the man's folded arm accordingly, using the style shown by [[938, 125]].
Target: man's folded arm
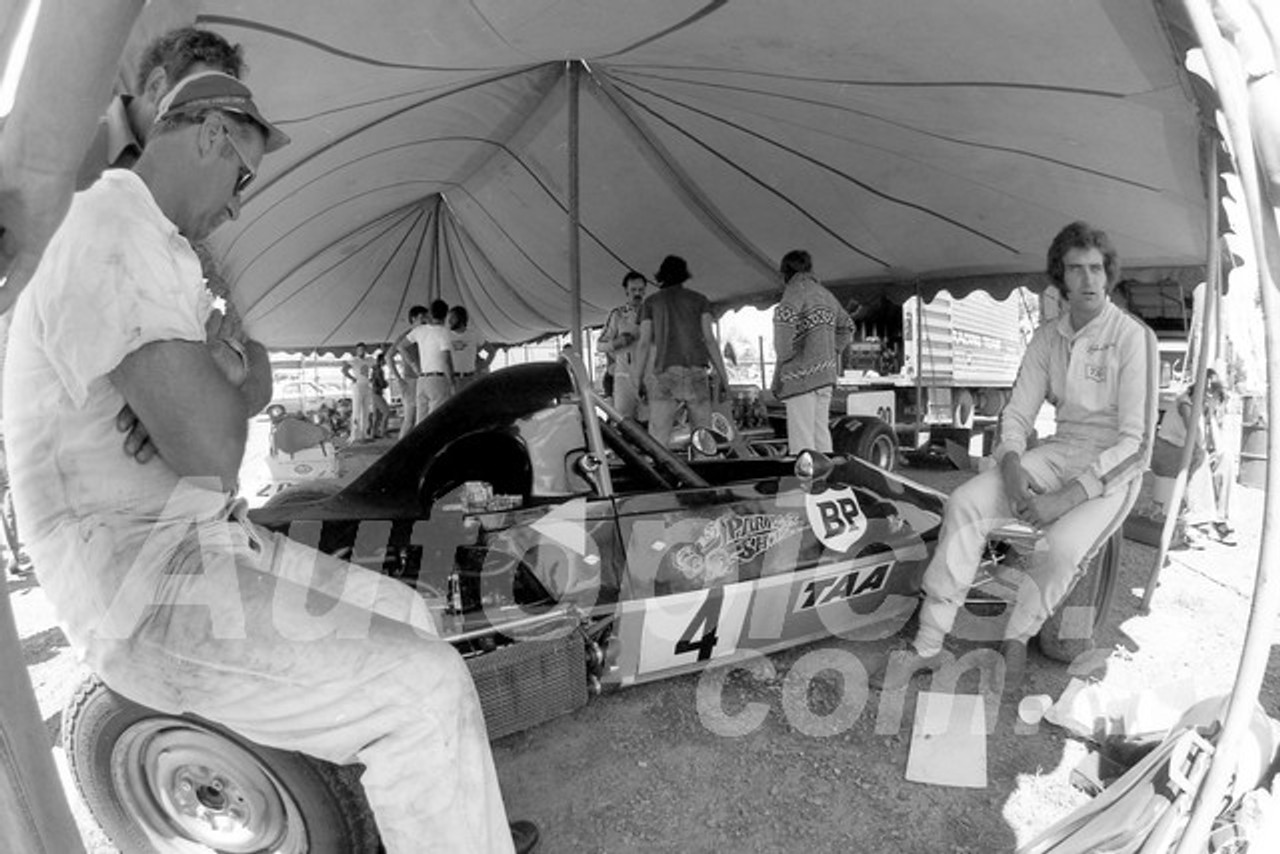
[[195, 416]]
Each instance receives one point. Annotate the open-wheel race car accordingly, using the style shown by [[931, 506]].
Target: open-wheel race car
[[563, 552]]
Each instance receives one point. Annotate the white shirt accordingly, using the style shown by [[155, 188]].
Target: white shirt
[[434, 347], [361, 368], [466, 345], [116, 276]]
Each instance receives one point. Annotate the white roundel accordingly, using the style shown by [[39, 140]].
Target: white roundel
[[836, 518]]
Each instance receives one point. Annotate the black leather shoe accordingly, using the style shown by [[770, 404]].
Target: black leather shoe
[[524, 836]]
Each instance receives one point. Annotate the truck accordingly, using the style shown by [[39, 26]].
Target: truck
[[938, 362]]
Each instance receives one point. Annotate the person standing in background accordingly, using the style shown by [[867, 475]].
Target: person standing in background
[[677, 351], [405, 374], [433, 361], [810, 331], [378, 385], [465, 343], [359, 370], [618, 342], [171, 57]]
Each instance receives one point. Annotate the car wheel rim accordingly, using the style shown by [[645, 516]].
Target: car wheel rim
[[176, 777], [882, 453]]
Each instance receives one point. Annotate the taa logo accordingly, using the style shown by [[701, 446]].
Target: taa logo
[[836, 518], [847, 585]]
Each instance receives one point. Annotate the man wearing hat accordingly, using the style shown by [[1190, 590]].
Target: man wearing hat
[[173, 598], [677, 351]]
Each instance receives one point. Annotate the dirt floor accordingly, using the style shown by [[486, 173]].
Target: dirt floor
[[787, 757]]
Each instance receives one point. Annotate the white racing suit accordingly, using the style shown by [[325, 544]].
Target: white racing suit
[[1103, 382]]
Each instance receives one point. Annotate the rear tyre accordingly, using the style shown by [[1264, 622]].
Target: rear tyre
[[174, 784], [1070, 630]]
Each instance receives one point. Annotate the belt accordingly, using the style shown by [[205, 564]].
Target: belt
[[431, 374], [467, 374]]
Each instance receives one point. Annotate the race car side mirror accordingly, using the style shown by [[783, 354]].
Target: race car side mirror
[[703, 441], [813, 467]]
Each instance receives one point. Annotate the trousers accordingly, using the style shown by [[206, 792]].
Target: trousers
[[980, 505], [809, 421], [431, 392], [298, 650]]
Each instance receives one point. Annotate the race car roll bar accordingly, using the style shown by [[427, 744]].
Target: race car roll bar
[[595, 442]]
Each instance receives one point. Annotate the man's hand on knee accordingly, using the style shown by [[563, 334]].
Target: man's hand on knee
[[1017, 486], [1048, 507]]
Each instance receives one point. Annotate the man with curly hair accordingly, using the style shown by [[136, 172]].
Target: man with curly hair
[[1097, 365], [124, 128]]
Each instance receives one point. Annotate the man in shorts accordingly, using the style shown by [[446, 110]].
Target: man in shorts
[[677, 351]]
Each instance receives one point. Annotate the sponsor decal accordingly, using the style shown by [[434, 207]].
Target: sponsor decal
[[836, 518], [847, 585], [732, 538]]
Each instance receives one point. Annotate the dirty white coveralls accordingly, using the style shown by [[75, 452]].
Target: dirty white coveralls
[[289, 647], [1103, 383]]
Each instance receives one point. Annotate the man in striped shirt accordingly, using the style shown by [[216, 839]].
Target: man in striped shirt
[[1096, 364]]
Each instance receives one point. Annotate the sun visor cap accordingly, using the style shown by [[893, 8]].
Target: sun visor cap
[[211, 90]]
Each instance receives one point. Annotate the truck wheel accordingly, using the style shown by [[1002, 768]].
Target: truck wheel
[[867, 438], [1070, 630], [962, 409], [167, 784], [991, 401]]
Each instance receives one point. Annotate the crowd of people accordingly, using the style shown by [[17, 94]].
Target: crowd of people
[[437, 355]]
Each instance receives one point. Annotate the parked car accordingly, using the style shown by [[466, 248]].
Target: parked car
[[303, 397], [563, 552]]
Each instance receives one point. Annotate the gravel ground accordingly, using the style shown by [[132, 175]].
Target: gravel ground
[[641, 771]]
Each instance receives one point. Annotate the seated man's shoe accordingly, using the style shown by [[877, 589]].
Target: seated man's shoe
[[1224, 533], [524, 836], [1014, 653], [899, 665]]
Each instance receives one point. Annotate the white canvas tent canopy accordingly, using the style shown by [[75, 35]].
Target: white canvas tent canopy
[[904, 143]]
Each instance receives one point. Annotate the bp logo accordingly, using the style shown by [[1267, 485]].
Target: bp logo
[[836, 518]]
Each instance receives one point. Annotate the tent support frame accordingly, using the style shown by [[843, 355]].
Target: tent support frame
[[1231, 86]]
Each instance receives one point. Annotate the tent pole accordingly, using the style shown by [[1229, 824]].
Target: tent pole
[[919, 425], [34, 805], [1212, 289], [575, 257], [1233, 93]]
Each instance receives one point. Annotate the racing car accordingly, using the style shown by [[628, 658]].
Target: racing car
[[563, 552]]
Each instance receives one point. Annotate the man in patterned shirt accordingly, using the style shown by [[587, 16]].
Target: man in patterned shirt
[[810, 331]]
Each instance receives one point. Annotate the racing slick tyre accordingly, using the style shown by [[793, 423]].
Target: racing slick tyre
[[170, 784], [867, 438], [1070, 630]]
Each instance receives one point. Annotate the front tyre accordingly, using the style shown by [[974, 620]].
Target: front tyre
[[174, 784]]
